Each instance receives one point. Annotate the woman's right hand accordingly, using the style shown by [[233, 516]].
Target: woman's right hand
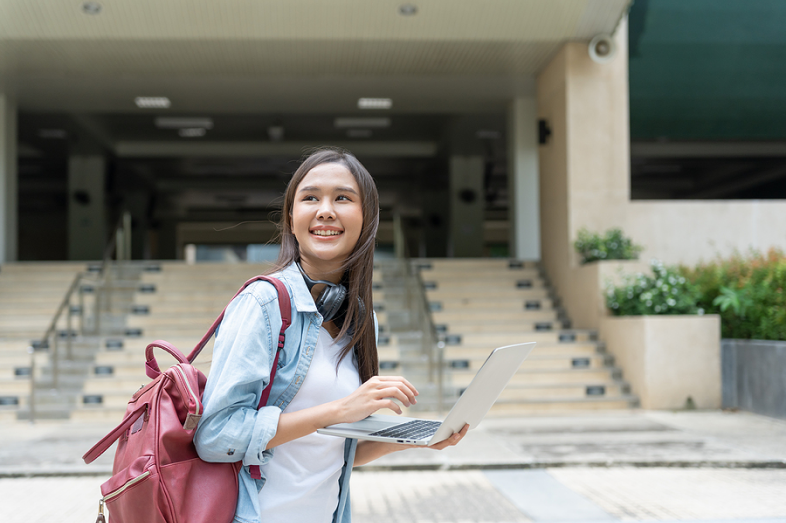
[[375, 394]]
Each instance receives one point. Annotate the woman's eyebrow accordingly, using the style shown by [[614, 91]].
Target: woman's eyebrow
[[314, 188]]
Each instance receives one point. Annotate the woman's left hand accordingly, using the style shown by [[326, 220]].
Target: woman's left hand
[[368, 451], [452, 440]]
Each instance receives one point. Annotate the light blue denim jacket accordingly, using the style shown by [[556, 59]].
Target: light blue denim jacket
[[231, 428]]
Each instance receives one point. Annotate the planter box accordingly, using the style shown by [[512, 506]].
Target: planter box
[[667, 359], [585, 297], [754, 376]]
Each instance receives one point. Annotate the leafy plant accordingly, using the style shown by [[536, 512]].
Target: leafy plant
[[747, 292], [665, 292], [610, 246]]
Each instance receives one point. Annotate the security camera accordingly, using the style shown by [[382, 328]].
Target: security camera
[[602, 49]]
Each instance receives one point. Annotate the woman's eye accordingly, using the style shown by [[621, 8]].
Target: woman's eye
[[344, 197], [309, 198]]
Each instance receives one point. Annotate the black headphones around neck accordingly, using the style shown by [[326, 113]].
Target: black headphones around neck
[[330, 299]]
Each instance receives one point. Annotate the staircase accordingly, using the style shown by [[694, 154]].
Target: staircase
[[177, 303], [30, 294], [480, 304], [470, 306]]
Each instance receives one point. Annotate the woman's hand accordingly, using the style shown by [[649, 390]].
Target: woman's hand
[[368, 451], [377, 393]]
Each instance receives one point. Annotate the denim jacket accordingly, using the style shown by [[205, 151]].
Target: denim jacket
[[231, 428]]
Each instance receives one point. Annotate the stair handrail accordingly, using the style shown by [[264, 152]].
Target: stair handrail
[[435, 342], [51, 332]]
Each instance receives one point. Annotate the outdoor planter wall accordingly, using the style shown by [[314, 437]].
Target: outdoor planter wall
[[668, 359], [585, 299], [754, 376]]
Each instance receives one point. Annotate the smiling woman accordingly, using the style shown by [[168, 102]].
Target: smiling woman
[[327, 370]]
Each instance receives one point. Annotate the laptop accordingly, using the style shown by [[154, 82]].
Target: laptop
[[470, 408]]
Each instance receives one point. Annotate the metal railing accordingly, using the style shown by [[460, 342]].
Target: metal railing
[[119, 247]]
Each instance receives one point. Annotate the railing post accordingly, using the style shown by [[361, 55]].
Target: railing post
[[440, 371], [31, 401], [127, 235], [81, 309], [69, 341], [55, 358]]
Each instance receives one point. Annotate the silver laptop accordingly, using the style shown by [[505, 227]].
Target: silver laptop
[[470, 408]]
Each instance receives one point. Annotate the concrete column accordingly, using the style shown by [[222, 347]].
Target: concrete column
[[523, 182], [87, 228], [466, 206], [9, 186], [585, 164]]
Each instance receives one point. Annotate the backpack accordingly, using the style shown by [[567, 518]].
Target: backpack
[[157, 475]]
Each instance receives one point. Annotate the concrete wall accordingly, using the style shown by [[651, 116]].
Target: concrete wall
[[754, 376], [8, 180], [691, 231], [585, 183], [668, 359]]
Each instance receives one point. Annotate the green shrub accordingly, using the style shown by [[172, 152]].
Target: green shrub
[[747, 292], [610, 246], [665, 292]]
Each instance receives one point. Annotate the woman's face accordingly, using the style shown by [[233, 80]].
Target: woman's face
[[327, 216]]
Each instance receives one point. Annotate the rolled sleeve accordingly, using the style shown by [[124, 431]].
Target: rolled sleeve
[[231, 428]]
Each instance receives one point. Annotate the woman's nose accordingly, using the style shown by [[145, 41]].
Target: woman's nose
[[326, 210]]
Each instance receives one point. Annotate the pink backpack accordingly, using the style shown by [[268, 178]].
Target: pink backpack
[[157, 476]]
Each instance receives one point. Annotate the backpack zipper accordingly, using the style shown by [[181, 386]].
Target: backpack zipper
[[190, 390], [127, 484]]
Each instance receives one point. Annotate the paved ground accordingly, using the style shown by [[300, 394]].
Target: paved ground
[[590, 467]]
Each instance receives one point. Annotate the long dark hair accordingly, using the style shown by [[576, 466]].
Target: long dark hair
[[359, 265]]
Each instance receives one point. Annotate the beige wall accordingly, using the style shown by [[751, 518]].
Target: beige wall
[[693, 231], [667, 359], [585, 183]]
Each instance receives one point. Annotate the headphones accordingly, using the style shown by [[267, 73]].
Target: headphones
[[331, 298]]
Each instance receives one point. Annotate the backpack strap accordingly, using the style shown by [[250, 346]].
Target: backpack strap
[[285, 307], [151, 365]]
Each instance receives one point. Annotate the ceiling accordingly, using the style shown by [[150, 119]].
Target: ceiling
[[293, 56]]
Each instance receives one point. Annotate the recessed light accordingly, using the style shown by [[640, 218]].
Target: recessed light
[[152, 102], [487, 134], [360, 123], [52, 134], [359, 133], [407, 10], [168, 122], [91, 8], [375, 103], [275, 133], [195, 132]]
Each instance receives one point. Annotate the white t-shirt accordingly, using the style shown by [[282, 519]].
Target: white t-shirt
[[302, 477]]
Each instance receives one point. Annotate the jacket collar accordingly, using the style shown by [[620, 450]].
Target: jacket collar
[[301, 296]]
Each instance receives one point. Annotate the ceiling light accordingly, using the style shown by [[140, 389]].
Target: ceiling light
[[487, 134], [152, 102], [91, 8], [168, 122], [192, 132], [375, 103], [275, 133], [407, 10], [362, 123], [55, 134], [359, 133]]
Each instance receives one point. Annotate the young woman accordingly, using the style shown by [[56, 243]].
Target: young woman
[[327, 370]]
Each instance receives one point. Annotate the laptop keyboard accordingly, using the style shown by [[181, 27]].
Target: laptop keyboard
[[412, 430]]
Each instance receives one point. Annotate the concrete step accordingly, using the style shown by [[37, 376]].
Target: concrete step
[[581, 349], [555, 362], [491, 305], [562, 405], [537, 376]]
